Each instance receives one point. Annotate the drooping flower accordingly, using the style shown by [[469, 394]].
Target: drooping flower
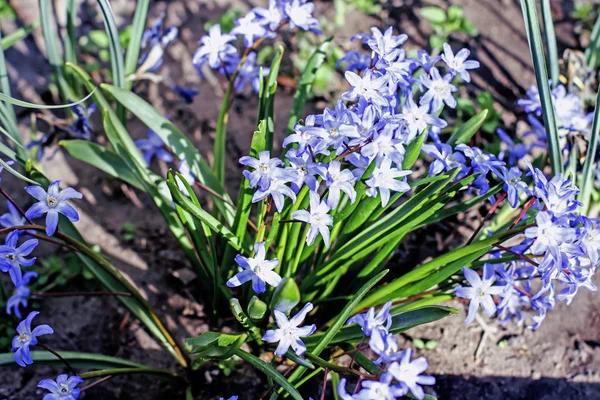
[[289, 332], [153, 146], [12, 218], [27, 338], [187, 94], [408, 373], [256, 269], [369, 321], [317, 217], [52, 203], [20, 295], [385, 346], [458, 63], [154, 42], [249, 73], [513, 185], [64, 388], [13, 257], [480, 292]]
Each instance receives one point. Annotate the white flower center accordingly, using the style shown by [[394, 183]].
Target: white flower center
[[52, 201]]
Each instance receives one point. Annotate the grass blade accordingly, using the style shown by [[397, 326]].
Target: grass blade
[[71, 39], [135, 40], [105, 160], [54, 57], [76, 359], [306, 81], [587, 180], [534, 38], [267, 100], [25, 104], [550, 38], [468, 129], [269, 371], [19, 34], [116, 53], [591, 53]]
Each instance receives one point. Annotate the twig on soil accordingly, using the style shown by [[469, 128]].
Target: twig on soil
[[99, 381], [49, 350]]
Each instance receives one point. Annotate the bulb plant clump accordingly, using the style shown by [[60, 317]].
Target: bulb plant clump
[[304, 259]]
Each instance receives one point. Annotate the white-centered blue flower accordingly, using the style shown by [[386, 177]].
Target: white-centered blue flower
[[256, 269], [52, 203], [64, 388], [370, 321], [458, 62], [339, 180], [480, 292], [12, 257], [318, 217], [26, 338], [214, 48], [289, 332], [385, 179], [408, 373]]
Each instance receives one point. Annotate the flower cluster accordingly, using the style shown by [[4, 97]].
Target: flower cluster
[[217, 51], [400, 375], [15, 256], [392, 99], [557, 256]]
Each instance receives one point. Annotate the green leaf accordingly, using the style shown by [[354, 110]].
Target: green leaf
[[256, 309], [204, 216], [177, 142], [587, 179], [550, 38], [539, 67], [286, 296], [71, 39], [591, 53], [400, 323], [116, 53], [135, 39], [105, 160], [433, 14], [306, 82], [9, 40], [270, 372], [21, 103], [465, 132], [54, 58], [267, 99], [413, 150], [75, 359]]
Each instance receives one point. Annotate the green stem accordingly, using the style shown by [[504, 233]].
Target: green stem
[[130, 371], [334, 367]]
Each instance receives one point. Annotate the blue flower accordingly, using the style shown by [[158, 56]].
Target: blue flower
[[445, 158], [458, 64], [426, 61], [339, 180], [289, 332], [64, 388], [385, 179], [513, 185], [439, 91], [256, 269], [154, 42], [13, 257], [249, 73], [306, 170], [231, 398], [373, 390], [384, 146], [547, 234], [418, 119], [81, 128], [187, 94], [385, 346], [370, 321], [532, 103], [27, 338], [20, 295], [214, 48], [516, 151], [265, 169], [12, 218], [367, 87], [153, 146], [300, 14], [385, 43], [480, 292], [251, 28], [408, 373], [318, 219], [356, 61], [277, 190], [52, 203], [272, 16]]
